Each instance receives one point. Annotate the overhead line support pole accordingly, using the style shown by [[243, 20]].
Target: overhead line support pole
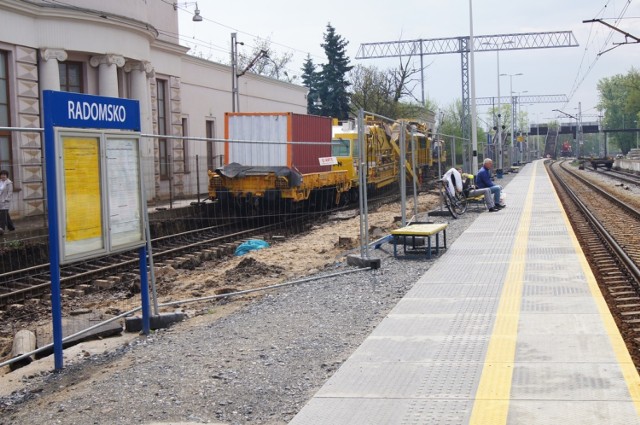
[[461, 45]]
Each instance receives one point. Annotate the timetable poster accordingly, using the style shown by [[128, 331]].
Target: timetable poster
[[125, 206], [82, 198]]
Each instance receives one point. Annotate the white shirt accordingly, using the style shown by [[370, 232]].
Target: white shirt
[[456, 177]]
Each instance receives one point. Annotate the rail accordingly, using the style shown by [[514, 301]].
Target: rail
[[596, 224]]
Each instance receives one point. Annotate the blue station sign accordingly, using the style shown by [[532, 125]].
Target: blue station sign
[[78, 110]]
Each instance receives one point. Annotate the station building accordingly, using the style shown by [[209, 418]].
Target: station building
[[128, 49]]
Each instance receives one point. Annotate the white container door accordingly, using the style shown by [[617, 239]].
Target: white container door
[[268, 137]]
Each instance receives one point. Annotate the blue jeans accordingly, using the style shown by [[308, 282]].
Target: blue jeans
[[496, 193]]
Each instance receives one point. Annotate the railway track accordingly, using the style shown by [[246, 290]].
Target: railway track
[[107, 286], [622, 176], [609, 233], [19, 285], [179, 250]]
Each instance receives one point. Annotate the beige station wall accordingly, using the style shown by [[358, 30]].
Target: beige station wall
[[135, 31]]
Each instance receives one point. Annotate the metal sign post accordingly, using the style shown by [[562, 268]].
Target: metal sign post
[[95, 201]]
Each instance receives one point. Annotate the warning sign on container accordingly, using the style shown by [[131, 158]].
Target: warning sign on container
[[330, 160]]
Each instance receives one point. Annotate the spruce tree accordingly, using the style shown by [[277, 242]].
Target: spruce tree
[[310, 79], [332, 87]]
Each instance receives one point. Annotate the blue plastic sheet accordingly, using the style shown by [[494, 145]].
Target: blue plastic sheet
[[250, 245]]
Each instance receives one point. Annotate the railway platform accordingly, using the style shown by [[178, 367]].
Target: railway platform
[[508, 327]]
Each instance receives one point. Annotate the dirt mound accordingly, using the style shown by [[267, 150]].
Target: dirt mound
[[249, 268]]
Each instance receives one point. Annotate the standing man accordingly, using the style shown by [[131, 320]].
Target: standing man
[[6, 192], [483, 180]]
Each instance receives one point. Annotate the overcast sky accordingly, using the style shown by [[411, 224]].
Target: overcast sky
[[298, 27]]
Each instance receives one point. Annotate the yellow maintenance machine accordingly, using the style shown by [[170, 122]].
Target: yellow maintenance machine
[[383, 151]]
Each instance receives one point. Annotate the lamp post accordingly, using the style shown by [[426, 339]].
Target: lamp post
[[513, 118], [472, 86], [636, 121], [499, 127], [516, 113]]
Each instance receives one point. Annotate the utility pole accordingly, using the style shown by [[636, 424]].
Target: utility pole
[[579, 132], [235, 75], [577, 126], [513, 108], [235, 94], [499, 133], [474, 117]]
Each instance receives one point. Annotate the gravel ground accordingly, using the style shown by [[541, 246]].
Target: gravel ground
[[258, 364], [610, 181]]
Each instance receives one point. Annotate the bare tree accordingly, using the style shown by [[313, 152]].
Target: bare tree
[[405, 79], [382, 91], [268, 62], [373, 90]]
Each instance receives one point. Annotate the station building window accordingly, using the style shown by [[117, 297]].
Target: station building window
[[5, 136], [213, 161], [163, 144], [71, 77]]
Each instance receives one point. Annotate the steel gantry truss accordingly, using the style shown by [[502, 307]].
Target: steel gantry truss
[[540, 98], [481, 43]]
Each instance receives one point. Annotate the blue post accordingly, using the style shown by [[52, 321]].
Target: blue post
[[144, 291], [54, 234]]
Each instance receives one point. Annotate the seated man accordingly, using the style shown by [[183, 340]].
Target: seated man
[[483, 181], [471, 191]]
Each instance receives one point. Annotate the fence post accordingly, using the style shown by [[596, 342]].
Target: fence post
[[453, 153], [403, 176], [362, 178], [415, 173], [198, 179], [170, 171]]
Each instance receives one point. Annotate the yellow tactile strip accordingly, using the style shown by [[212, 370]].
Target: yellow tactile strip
[[491, 404]]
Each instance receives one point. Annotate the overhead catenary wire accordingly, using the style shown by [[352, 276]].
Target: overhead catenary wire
[[579, 79]]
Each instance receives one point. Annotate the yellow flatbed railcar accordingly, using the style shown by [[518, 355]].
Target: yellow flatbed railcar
[[267, 186]]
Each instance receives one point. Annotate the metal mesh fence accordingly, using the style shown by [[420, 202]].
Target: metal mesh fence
[[270, 181]]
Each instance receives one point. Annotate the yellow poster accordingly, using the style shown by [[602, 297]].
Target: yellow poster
[[82, 188]]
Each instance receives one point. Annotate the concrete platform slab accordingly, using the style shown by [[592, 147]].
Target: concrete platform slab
[[507, 327]]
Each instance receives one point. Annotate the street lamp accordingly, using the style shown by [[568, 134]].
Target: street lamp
[[513, 118], [499, 128], [472, 99], [196, 13], [516, 113], [636, 121]]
